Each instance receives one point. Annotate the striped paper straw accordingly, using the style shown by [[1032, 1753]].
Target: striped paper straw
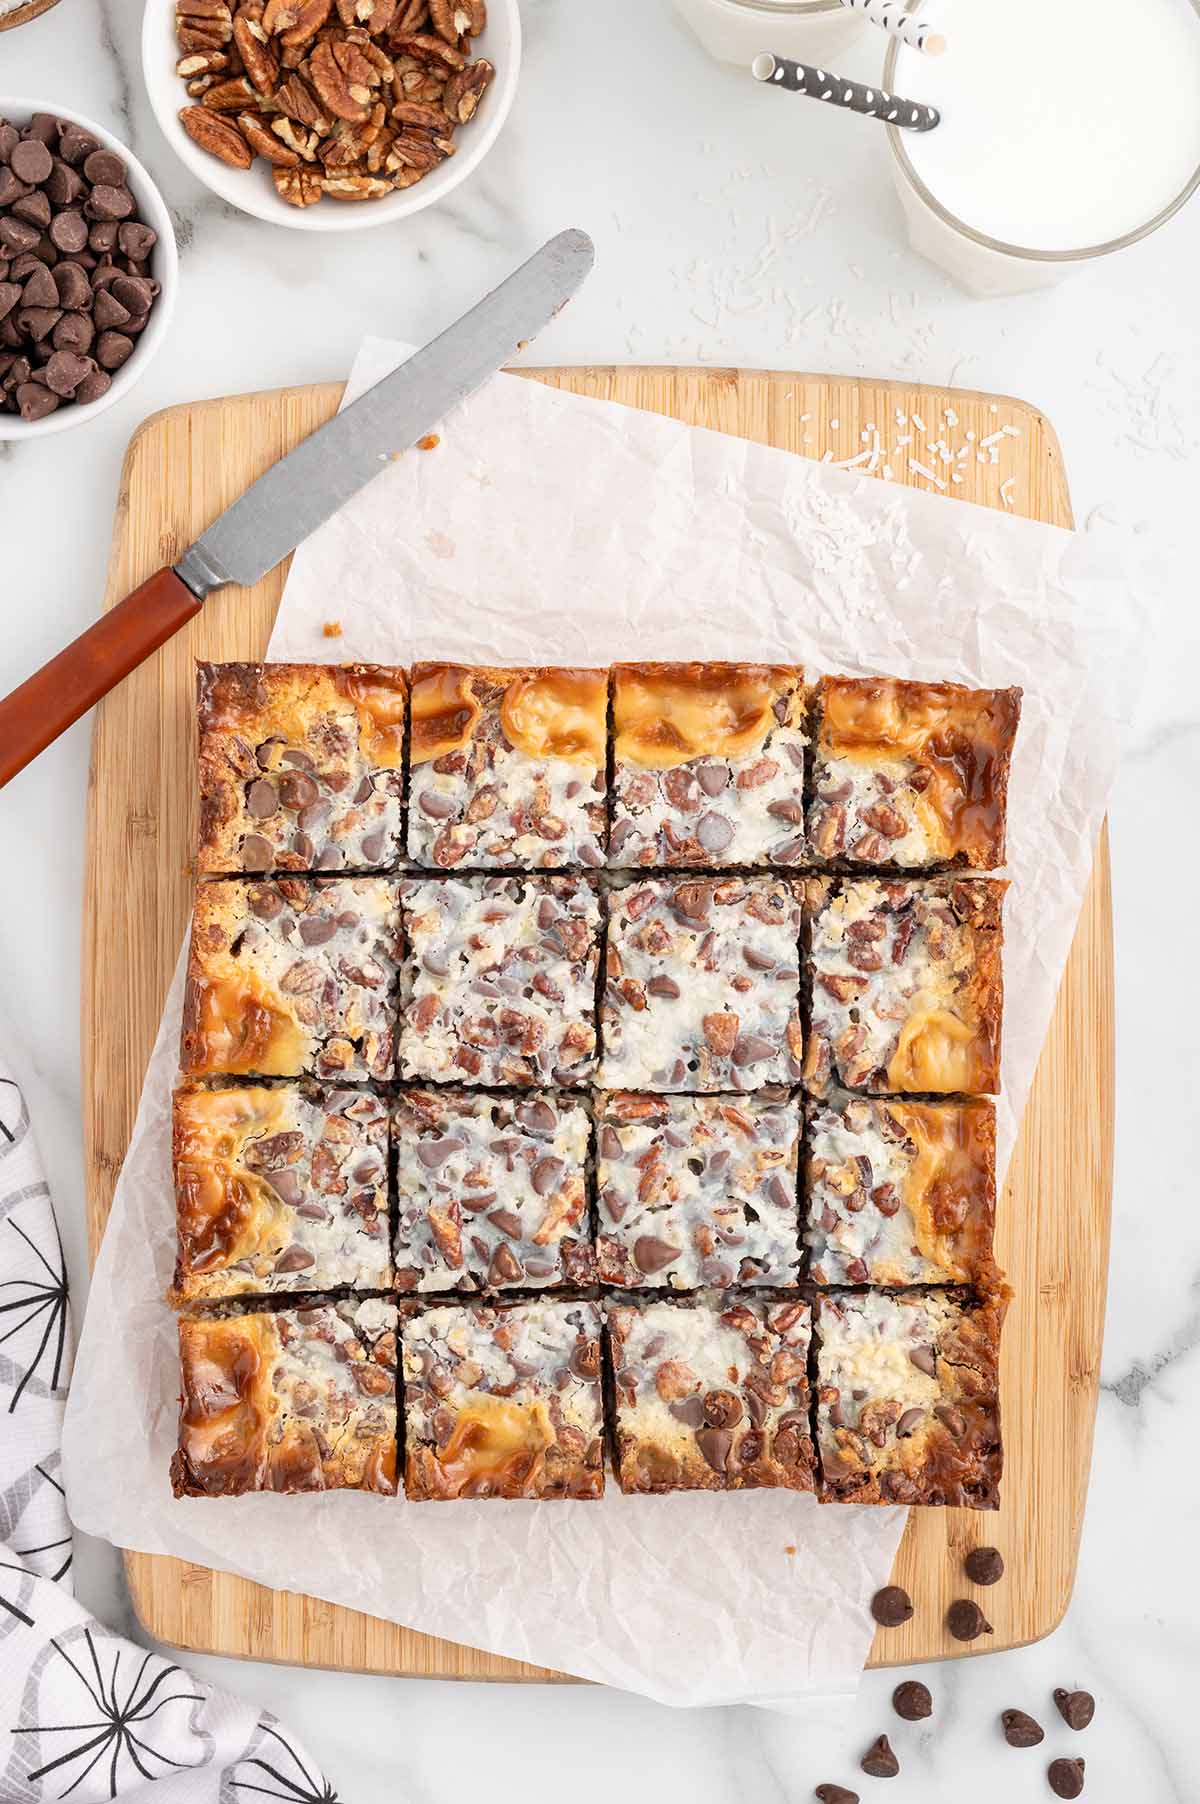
[[837, 90], [891, 16]]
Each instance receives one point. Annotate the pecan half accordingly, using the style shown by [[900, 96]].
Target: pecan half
[[373, 15], [264, 143], [297, 100], [258, 59], [348, 99], [296, 22], [232, 96], [465, 90], [303, 144], [216, 135], [355, 187], [455, 20]]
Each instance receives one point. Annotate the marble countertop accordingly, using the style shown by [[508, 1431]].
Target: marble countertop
[[730, 229]]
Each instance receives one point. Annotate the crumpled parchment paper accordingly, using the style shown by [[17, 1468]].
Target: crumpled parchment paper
[[553, 529]]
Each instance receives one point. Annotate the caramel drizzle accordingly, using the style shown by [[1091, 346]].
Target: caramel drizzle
[[664, 717]]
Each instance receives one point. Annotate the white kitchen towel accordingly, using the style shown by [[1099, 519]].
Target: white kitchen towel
[[85, 1713]]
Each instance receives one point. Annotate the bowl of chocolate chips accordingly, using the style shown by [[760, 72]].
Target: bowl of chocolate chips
[[88, 269]]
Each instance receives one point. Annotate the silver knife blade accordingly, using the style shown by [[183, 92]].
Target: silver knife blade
[[301, 491]]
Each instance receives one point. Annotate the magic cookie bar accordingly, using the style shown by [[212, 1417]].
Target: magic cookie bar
[[900, 1192], [708, 764], [292, 978], [911, 775], [300, 1400], [701, 985], [300, 767], [279, 1189], [907, 1398], [499, 981], [508, 766], [907, 988], [503, 1402], [491, 1191], [711, 1396], [697, 1190]]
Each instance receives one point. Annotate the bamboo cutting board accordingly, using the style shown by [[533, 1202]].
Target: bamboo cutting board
[[183, 466]]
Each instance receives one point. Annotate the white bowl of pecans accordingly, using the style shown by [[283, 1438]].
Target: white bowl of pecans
[[331, 115]]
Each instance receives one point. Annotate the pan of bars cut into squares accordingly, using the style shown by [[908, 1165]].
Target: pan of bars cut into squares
[[508, 767], [503, 1402], [299, 1400], [491, 1191], [571, 1020], [280, 1189], [697, 1191], [711, 1394], [708, 764], [301, 767]]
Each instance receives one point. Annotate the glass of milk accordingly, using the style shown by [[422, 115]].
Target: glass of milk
[[735, 31], [1063, 136]]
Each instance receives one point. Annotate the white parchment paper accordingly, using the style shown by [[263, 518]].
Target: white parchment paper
[[549, 528]]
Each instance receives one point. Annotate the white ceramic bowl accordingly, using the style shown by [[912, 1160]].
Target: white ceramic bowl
[[164, 266], [253, 190]]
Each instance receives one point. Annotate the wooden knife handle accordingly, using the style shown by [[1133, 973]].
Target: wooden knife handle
[[55, 696]]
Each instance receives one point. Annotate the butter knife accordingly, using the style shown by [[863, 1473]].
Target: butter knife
[[294, 497]]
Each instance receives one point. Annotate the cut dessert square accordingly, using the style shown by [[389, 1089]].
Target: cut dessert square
[[499, 981], [291, 1400], [900, 1192], [702, 985], [492, 1191], [711, 1395], [279, 1188], [508, 766], [292, 977], [708, 764], [911, 775], [698, 1191], [300, 767], [907, 1397], [907, 987], [502, 1402]]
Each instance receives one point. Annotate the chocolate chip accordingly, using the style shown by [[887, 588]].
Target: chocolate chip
[[105, 166], [38, 322], [1065, 1778], [835, 1794], [1076, 1708], [1020, 1730], [663, 986], [912, 1701], [74, 332], [891, 1606], [18, 235], [31, 161], [108, 201], [75, 144], [10, 294], [10, 188], [922, 1358], [35, 208], [112, 349], [714, 832], [257, 854], [135, 292], [715, 1444], [109, 312], [93, 386], [651, 1254], [34, 402], [68, 230], [966, 1621], [296, 1259], [64, 185], [137, 240], [316, 930], [72, 287], [879, 1762], [261, 800], [65, 371], [984, 1565], [286, 1183]]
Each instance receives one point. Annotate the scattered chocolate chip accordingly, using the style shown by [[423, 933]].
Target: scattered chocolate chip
[[835, 1794], [984, 1565], [1076, 1708], [879, 1761], [891, 1606], [912, 1701], [1020, 1730], [1065, 1778], [966, 1621]]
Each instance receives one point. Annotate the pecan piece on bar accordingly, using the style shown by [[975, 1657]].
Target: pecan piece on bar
[[216, 135], [299, 187]]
